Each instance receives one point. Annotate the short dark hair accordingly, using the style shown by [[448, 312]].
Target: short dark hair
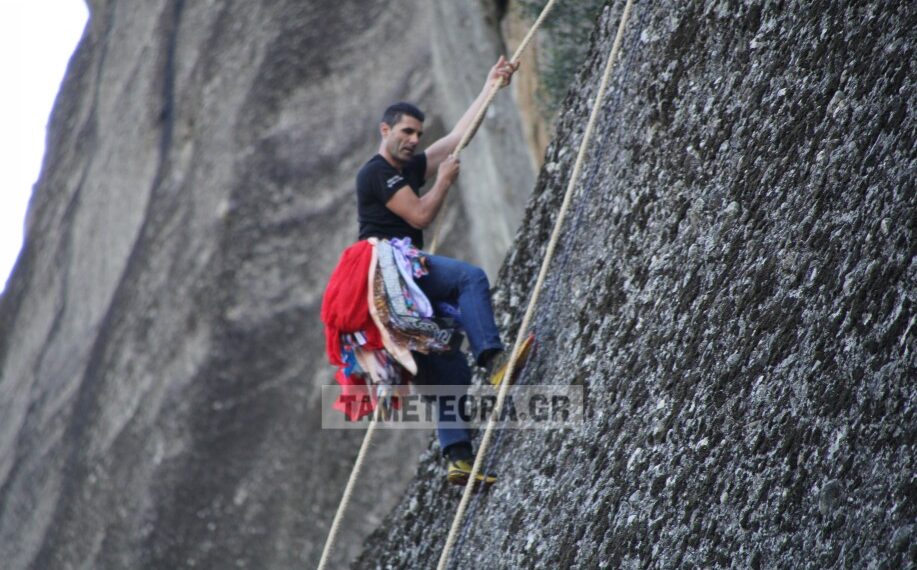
[[394, 113]]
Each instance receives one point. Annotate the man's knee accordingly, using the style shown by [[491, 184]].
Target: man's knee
[[476, 276]]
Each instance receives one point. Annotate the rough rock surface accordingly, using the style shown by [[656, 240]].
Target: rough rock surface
[[735, 291], [160, 346]]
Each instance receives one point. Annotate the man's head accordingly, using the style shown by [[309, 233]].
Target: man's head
[[401, 129], [395, 112]]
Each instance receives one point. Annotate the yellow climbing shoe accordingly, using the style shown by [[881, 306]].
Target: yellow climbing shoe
[[459, 471], [497, 377]]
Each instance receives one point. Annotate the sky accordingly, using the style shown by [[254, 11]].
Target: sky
[[37, 38]]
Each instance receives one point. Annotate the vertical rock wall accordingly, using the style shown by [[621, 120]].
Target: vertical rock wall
[[735, 292], [160, 346]]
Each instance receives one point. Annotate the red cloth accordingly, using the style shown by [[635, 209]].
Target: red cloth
[[345, 305], [345, 309], [356, 399]]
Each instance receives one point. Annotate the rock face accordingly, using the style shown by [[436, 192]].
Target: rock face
[[734, 290], [160, 346]]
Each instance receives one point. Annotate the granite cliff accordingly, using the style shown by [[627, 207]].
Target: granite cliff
[[160, 346], [734, 291]]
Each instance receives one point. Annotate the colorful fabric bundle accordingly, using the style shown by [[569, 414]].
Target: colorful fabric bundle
[[399, 302], [374, 316]]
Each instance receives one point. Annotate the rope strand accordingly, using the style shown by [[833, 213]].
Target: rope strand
[[348, 490], [498, 83], [562, 257], [545, 319], [523, 329], [479, 116]]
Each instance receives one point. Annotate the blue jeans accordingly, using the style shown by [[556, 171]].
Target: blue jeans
[[449, 369], [458, 283]]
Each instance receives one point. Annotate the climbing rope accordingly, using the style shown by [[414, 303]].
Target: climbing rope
[[546, 317], [562, 258], [479, 116], [523, 328], [370, 431], [348, 490]]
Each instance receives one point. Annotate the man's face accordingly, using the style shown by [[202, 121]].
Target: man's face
[[402, 139]]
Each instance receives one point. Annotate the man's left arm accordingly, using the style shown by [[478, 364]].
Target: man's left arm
[[437, 152]]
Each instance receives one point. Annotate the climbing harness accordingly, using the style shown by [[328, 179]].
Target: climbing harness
[[523, 328], [370, 431]]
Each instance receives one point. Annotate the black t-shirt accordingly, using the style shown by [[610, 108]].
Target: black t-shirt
[[377, 182]]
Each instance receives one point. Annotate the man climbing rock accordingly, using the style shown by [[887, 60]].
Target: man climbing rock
[[390, 207]]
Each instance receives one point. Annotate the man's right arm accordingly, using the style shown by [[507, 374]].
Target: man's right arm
[[419, 212], [437, 152]]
